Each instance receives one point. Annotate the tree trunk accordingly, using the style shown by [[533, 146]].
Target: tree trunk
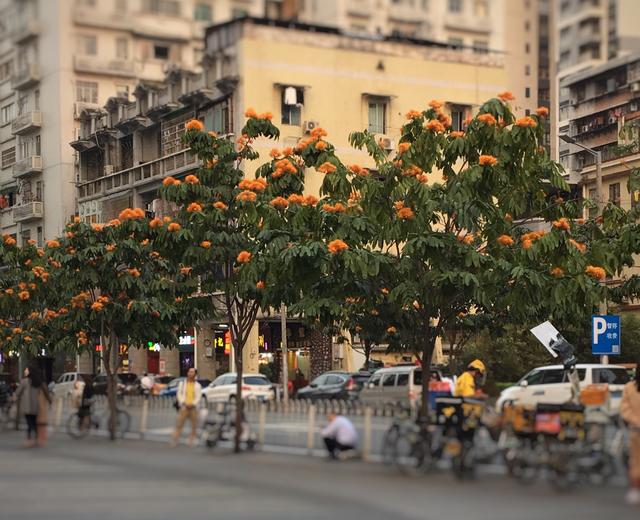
[[111, 369], [367, 353], [239, 402], [427, 354]]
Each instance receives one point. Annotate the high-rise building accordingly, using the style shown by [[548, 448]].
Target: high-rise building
[[589, 32], [60, 57]]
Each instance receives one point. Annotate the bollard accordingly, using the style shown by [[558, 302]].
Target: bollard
[[262, 416], [143, 417], [59, 404], [311, 427], [366, 438]]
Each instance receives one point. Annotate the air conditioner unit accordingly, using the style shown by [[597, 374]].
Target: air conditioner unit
[[109, 169], [633, 106], [309, 126], [385, 142], [635, 86]]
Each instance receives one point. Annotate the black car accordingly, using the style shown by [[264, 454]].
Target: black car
[[128, 384], [332, 385]]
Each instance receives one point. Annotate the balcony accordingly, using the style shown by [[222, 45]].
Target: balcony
[[96, 17], [26, 77], [96, 65], [26, 123], [25, 29], [174, 164], [27, 166], [28, 211], [469, 23]]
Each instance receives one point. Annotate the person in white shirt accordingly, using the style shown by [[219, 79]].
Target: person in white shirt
[[340, 435], [146, 383]]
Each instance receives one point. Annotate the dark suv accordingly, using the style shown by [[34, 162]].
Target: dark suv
[[128, 384], [332, 385]]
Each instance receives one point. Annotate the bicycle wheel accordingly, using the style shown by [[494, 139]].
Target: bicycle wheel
[[78, 426], [411, 454]]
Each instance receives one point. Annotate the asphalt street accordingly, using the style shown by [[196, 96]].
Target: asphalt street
[[98, 480]]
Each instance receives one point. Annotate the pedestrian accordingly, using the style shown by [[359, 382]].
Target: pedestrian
[[471, 381], [44, 402], [146, 383], [27, 398], [85, 401], [630, 411], [340, 436], [188, 398]]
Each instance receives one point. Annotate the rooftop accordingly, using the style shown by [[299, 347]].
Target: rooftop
[[600, 69]]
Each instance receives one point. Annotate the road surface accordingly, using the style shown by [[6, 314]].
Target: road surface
[[135, 480]]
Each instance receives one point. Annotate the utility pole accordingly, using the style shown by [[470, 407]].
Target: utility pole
[[283, 345]]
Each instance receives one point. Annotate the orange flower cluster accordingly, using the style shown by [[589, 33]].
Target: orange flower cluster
[[505, 240], [487, 160], [354, 197], [23, 295], [405, 214], [579, 246], [403, 147], [529, 238], [205, 244], [130, 214], [194, 124], [220, 205], [144, 242], [321, 145], [466, 239], [80, 300], [258, 184], [436, 105], [456, 134], [170, 181], [251, 113], [40, 272], [562, 223], [155, 222], [557, 272], [211, 163], [444, 119], [337, 246], [97, 306], [82, 338], [358, 170], [242, 142], [392, 330], [506, 96], [434, 125], [279, 203], [186, 270], [318, 132], [174, 226], [338, 207], [134, 272], [327, 167], [310, 200], [9, 240], [487, 119], [97, 227], [244, 257], [191, 179], [413, 114], [283, 166], [260, 285], [526, 122], [295, 198], [422, 178], [246, 196], [194, 207], [412, 171], [275, 153], [542, 111], [596, 272]]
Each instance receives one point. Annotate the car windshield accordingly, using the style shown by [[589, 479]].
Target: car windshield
[[255, 380]]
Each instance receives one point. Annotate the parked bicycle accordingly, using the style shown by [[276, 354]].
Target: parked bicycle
[[80, 424], [219, 425]]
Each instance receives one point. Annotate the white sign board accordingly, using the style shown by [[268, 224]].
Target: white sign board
[[546, 334]]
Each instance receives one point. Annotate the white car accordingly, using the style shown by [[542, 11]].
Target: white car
[[65, 385], [223, 388], [550, 385]]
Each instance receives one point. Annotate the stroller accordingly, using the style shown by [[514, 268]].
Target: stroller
[[219, 425]]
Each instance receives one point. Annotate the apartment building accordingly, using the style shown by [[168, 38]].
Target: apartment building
[[589, 32], [60, 57], [306, 76]]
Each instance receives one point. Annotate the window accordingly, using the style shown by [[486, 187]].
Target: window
[[171, 134], [333, 379], [25, 236], [534, 378], [593, 197], [122, 91], [527, 48], [87, 45], [527, 112], [36, 99], [8, 157], [377, 116], [614, 193], [527, 70], [23, 105], [239, 13], [527, 92], [375, 379], [255, 380], [480, 46], [457, 118], [455, 6], [613, 376], [455, 41], [161, 52], [39, 190], [122, 48], [403, 380], [168, 7], [40, 238], [203, 13], [6, 114], [527, 25], [220, 120], [389, 380], [87, 91], [5, 70], [481, 8], [291, 105], [553, 376]]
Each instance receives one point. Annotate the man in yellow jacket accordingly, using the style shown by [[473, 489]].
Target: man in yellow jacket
[[469, 382]]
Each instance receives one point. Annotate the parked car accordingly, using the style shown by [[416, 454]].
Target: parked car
[[65, 384], [127, 384], [223, 388], [550, 385], [332, 385], [399, 384], [160, 383], [172, 387]]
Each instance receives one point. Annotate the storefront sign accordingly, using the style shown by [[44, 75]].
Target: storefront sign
[[163, 366]]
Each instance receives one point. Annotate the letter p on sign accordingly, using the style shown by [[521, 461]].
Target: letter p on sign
[[599, 327]]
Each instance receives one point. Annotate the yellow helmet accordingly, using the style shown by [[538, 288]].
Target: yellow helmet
[[478, 365]]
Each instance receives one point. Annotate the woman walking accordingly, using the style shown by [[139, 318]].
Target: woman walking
[[630, 411], [27, 397], [44, 402]]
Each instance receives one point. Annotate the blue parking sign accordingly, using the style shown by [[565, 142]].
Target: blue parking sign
[[605, 335]]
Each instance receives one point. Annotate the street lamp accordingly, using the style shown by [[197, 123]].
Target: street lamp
[[598, 156], [599, 202]]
